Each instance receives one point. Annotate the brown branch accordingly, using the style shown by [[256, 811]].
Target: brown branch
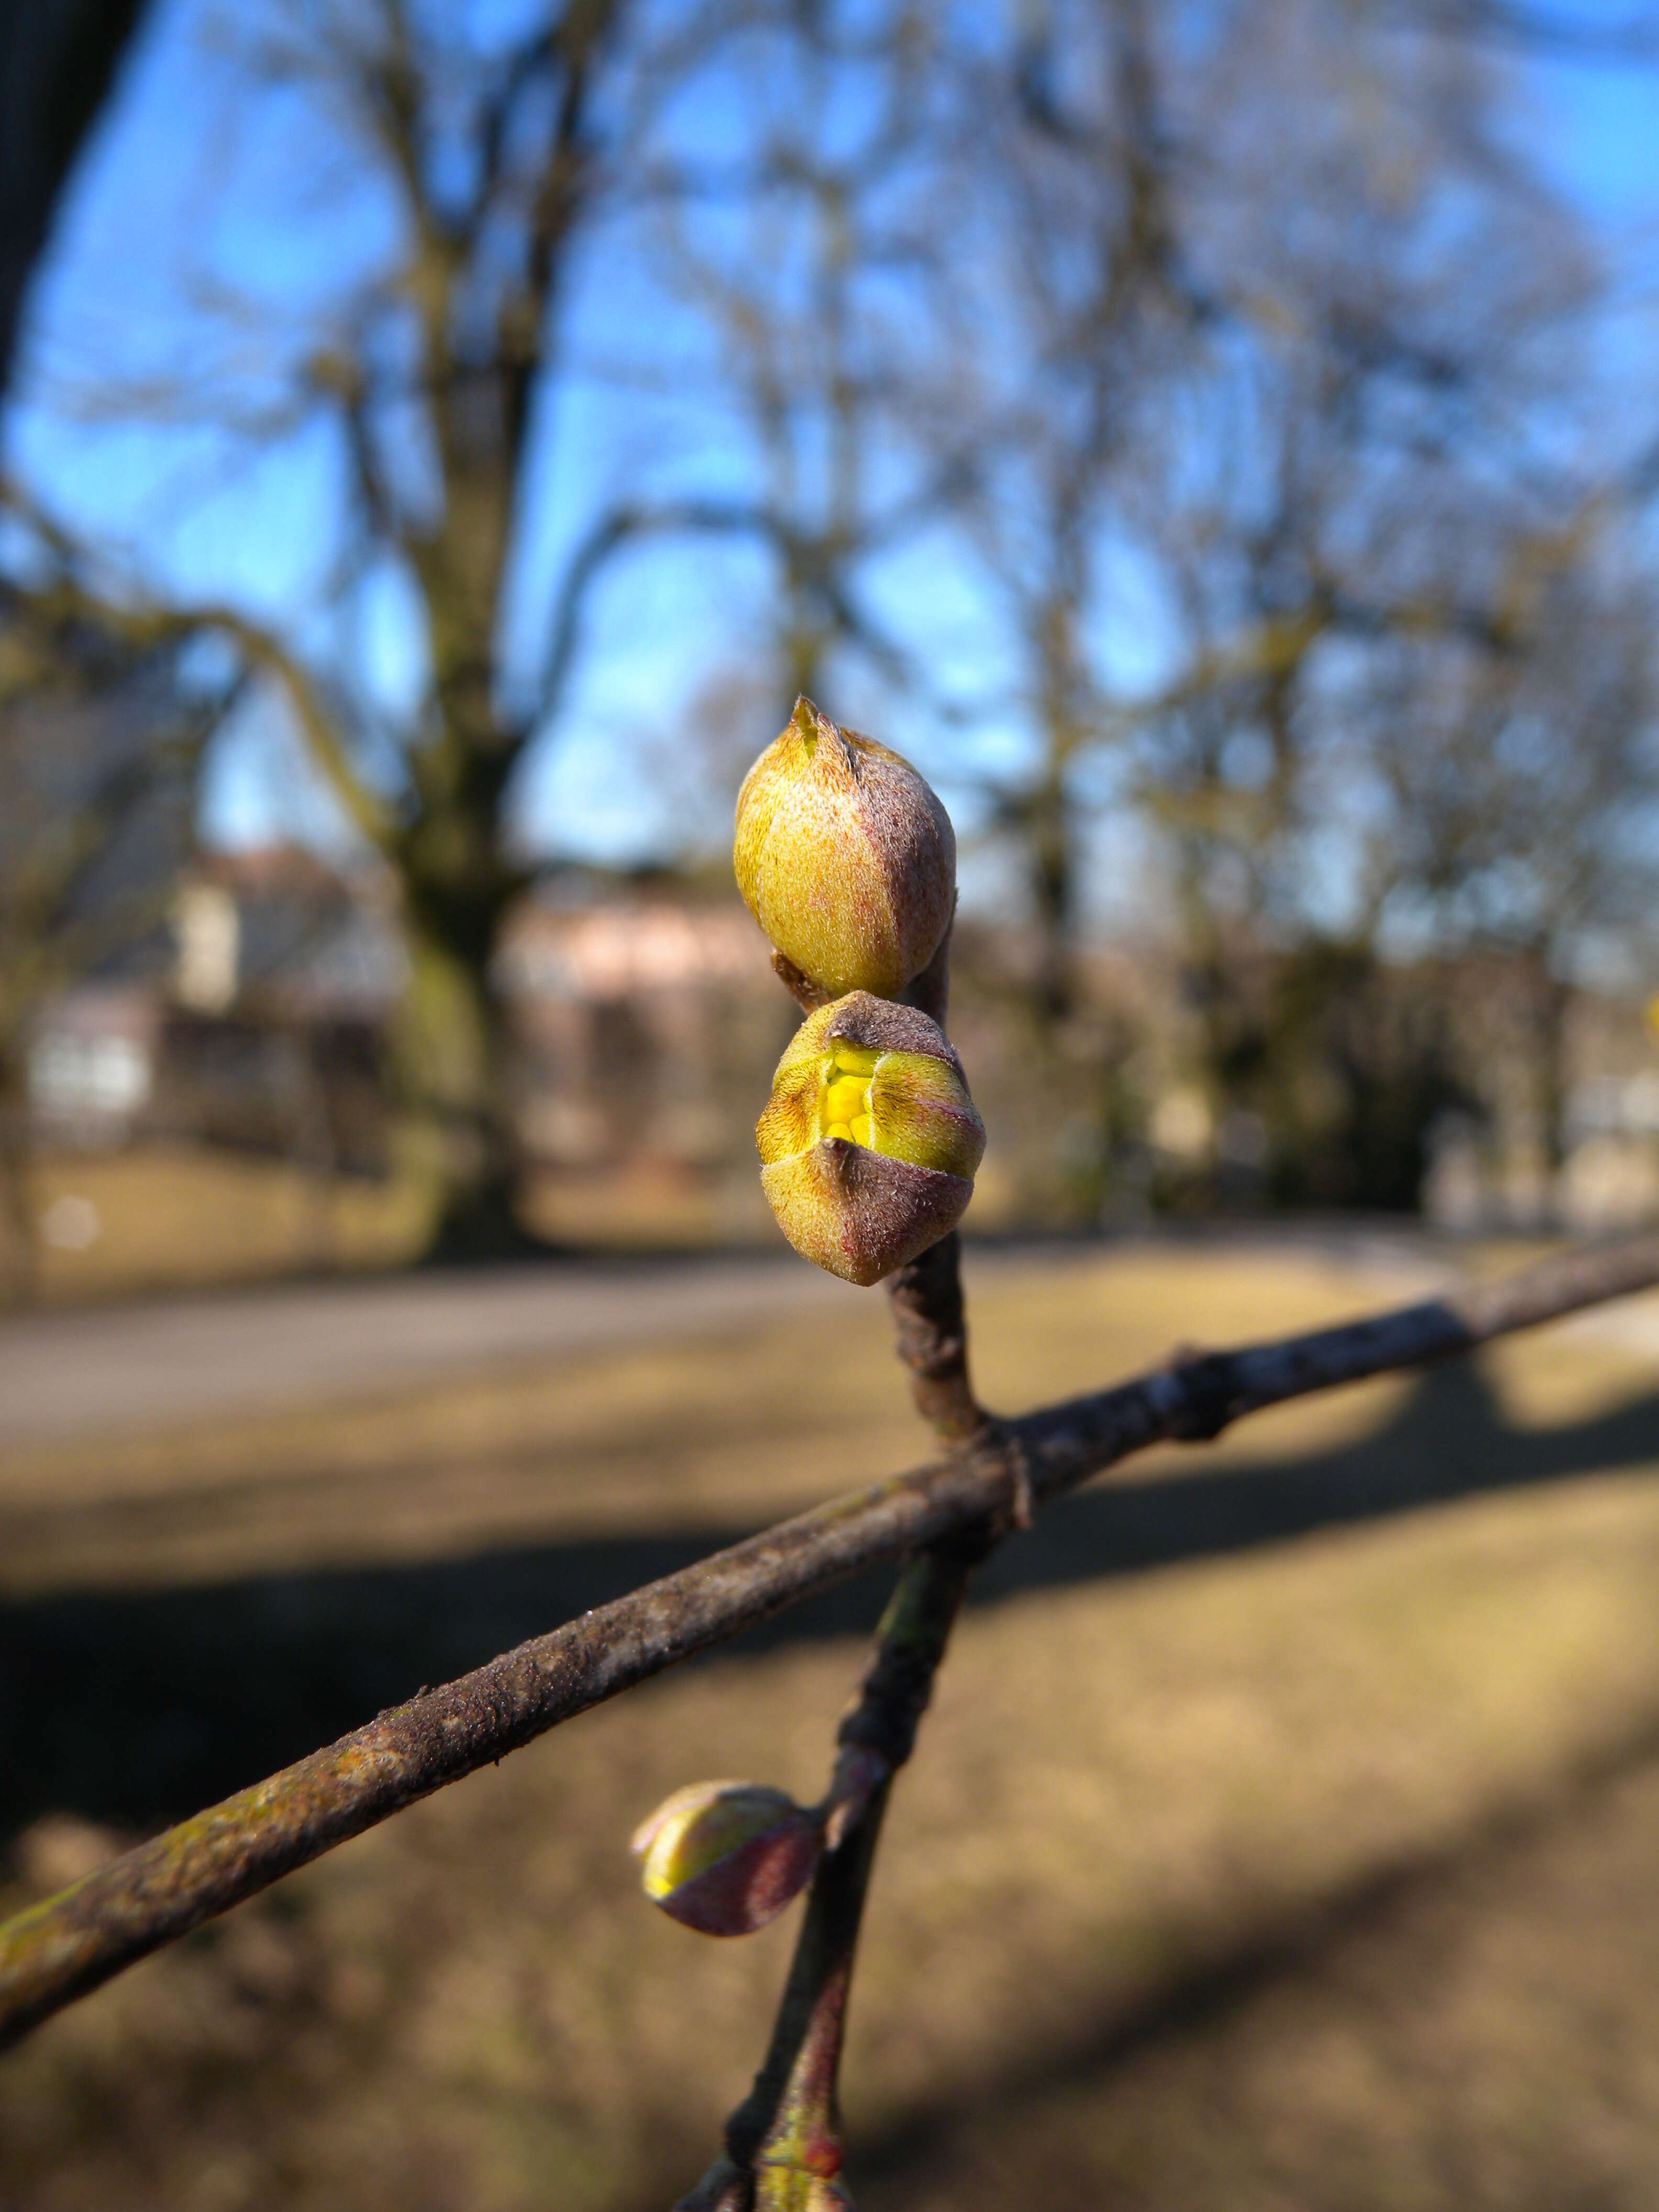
[[142, 623], [933, 1339], [783, 2143], [157, 1892], [619, 528], [786, 2133]]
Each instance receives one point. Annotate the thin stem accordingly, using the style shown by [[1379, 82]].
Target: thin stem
[[783, 2143], [933, 1339], [803, 2145]]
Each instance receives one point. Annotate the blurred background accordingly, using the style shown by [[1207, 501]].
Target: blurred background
[[1218, 443]]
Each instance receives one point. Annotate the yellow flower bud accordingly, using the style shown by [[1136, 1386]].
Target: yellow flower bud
[[869, 1142], [790, 2189], [724, 1857], [845, 857]]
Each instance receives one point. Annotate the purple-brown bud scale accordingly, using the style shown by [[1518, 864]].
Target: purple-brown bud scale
[[869, 1142], [724, 1857], [845, 857]]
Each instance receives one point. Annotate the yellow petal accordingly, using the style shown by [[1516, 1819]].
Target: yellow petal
[[842, 1099]]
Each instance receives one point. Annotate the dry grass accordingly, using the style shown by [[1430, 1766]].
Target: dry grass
[[1296, 1874], [177, 1217], [168, 1217]]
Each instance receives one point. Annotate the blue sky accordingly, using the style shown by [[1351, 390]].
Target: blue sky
[[188, 180]]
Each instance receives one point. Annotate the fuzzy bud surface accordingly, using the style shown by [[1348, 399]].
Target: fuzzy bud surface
[[845, 856], [869, 1142], [724, 1857]]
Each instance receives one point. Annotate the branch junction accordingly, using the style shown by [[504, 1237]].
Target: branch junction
[[148, 1897]]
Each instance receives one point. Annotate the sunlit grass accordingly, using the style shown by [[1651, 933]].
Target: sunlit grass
[[1316, 1874]]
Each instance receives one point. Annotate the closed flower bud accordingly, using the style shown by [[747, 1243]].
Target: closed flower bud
[[845, 857], [724, 1857], [788, 2189], [869, 1142]]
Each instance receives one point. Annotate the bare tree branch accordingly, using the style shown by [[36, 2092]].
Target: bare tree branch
[[789, 2123], [55, 65], [787, 2129], [152, 1894], [141, 623], [1633, 39]]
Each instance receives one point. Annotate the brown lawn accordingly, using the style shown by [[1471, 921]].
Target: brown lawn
[[1284, 1835]]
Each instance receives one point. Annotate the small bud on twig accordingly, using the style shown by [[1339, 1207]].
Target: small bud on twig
[[859, 1772], [786, 2189], [845, 857], [724, 1857], [869, 1142]]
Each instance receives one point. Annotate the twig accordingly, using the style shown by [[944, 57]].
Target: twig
[[933, 1339], [785, 2134], [783, 2143], [151, 1895]]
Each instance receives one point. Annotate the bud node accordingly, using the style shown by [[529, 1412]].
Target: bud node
[[869, 1141]]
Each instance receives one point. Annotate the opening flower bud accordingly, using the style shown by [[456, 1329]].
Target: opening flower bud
[[845, 857], [869, 1143], [724, 1857]]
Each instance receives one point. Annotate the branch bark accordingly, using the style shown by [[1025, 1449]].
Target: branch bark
[[151, 1895], [783, 2143], [142, 622], [931, 1333]]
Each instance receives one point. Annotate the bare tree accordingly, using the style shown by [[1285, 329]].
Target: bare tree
[[428, 369], [100, 746], [1521, 786], [55, 67], [1212, 409], [831, 312], [1282, 316], [1203, 411]]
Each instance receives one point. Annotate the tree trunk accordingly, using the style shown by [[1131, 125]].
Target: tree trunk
[[19, 1255], [1054, 900], [454, 1056], [56, 65], [1551, 1003]]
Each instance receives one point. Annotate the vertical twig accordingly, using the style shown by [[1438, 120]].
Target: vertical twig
[[783, 2143], [933, 1339]]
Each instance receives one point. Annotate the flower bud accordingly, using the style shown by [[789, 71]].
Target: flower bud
[[724, 1857], [791, 2189], [845, 857], [869, 1142]]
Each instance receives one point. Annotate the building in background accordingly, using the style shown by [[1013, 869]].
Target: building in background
[[646, 1020], [254, 1016]]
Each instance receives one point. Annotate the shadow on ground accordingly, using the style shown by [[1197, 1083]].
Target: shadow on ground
[[129, 1709], [1374, 1960]]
